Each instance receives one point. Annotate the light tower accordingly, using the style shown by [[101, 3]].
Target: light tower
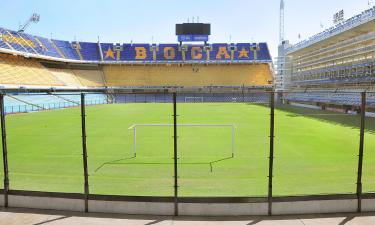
[[281, 58], [33, 19], [281, 37]]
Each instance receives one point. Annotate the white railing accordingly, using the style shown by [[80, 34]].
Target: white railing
[[355, 21]]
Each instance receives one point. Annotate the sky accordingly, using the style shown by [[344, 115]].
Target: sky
[[146, 21]]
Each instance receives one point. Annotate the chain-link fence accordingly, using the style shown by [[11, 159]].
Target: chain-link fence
[[317, 146], [249, 144], [369, 146], [130, 146]]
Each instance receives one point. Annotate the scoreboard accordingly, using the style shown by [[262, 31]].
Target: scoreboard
[[191, 32]]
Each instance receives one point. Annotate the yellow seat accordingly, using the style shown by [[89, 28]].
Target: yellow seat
[[16, 70], [188, 75]]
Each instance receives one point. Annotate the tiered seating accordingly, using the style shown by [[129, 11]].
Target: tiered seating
[[175, 47], [332, 98], [90, 78], [66, 49], [174, 75], [215, 49], [11, 44], [106, 55], [17, 103], [90, 98], [79, 78], [131, 53], [90, 51], [20, 71], [363, 72], [66, 76], [23, 72], [49, 49], [2, 43], [203, 97], [340, 27]]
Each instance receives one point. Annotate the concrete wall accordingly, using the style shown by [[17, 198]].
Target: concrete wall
[[314, 206], [46, 203], [280, 207], [368, 205], [1, 200], [222, 209], [143, 208]]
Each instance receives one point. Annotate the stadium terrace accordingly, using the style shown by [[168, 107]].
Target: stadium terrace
[[108, 52]]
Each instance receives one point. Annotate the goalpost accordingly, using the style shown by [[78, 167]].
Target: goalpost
[[134, 128], [193, 99]]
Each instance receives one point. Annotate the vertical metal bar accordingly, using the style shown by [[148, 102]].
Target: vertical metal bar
[[243, 93], [5, 151], [135, 140], [175, 154], [270, 169], [232, 141], [360, 155], [84, 151]]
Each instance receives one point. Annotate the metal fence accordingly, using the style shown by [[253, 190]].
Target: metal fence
[[195, 145]]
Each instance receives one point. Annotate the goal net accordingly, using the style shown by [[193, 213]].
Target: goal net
[[193, 99], [231, 131]]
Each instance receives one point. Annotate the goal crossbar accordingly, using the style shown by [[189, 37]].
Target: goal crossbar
[[134, 128], [194, 98]]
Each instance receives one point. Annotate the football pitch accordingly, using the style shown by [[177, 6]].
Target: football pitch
[[316, 152]]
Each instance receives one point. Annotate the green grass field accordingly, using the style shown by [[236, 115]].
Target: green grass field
[[315, 151]]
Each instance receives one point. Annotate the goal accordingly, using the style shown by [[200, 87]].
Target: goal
[[193, 99], [135, 126]]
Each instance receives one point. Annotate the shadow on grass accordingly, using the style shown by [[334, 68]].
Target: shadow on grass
[[118, 162], [337, 118]]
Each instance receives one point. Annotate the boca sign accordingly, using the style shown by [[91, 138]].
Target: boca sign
[[175, 52]]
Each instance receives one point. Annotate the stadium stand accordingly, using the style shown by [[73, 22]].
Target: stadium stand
[[16, 70], [90, 51], [90, 78], [49, 48], [95, 52], [32, 62], [66, 76], [19, 103], [188, 75], [203, 97], [79, 78], [352, 22], [340, 59], [334, 98], [66, 49]]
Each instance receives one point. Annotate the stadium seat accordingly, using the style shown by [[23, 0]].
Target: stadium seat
[[20, 71], [219, 75]]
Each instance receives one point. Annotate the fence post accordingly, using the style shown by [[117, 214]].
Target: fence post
[[270, 169], [84, 151], [243, 92], [360, 155], [175, 154], [5, 151]]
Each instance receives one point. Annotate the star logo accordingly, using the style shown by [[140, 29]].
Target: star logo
[[109, 53], [243, 53]]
